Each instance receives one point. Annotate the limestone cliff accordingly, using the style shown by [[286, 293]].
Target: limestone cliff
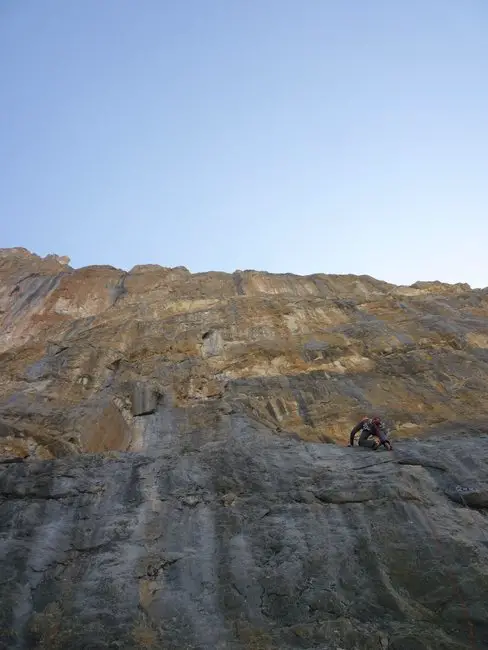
[[303, 355], [176, 491]]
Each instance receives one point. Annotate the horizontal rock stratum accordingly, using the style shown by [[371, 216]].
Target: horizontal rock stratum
[[304, 355], [165, 477]]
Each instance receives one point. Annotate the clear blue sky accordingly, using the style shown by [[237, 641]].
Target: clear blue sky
[[334, 136]]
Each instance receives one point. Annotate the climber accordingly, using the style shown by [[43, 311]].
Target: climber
[[370, 427]]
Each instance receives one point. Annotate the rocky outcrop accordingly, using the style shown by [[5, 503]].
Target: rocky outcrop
[[234, 538], [164, 481], [304, 355]]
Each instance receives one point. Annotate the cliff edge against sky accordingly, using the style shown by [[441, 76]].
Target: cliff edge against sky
[[84, 351], [165, 477]]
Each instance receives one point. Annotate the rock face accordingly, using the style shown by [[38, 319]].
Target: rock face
[[233, 538], [164, 481], [305, 355]]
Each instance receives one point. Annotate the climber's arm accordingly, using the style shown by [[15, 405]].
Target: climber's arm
[[353, 433]]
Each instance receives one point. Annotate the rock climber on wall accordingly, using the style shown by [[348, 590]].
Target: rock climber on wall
[[371, 427]]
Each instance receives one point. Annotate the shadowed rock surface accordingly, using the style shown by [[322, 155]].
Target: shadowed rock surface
[[176, 491], [237, 539]]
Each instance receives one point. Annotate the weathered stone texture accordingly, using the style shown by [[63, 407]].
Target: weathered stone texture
[[164, 481], [308, 355], [235, 538]]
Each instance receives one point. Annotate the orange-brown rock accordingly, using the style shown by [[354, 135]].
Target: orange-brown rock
[[304, 355], [205, 512]]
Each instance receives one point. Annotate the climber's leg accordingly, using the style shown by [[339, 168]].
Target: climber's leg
[[364, 442]]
